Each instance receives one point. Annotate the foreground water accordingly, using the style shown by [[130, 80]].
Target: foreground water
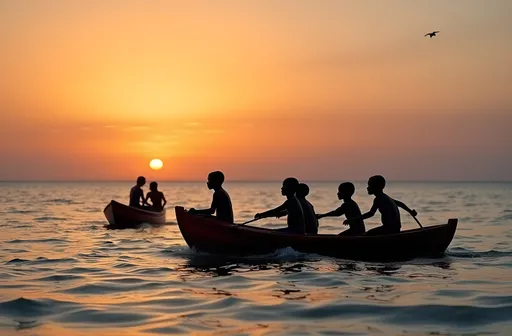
[[63, 273]]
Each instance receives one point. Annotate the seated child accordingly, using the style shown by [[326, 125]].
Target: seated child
[[349, 208], [136, 193], [388, 207], [221, 203], [291, 207], [157, 198]]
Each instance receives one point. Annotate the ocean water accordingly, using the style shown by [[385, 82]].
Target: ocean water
[[63, 273]]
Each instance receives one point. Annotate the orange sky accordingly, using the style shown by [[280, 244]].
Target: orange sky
[[93, 90]]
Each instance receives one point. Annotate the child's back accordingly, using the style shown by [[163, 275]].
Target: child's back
[[310, 220], [390, 216], [295, 219], [351, 210], [157, 197], [222, 203]]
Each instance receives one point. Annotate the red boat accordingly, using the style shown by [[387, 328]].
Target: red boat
[[210, 235], [122, 216]]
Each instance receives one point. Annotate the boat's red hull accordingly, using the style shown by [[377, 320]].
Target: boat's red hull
[[121, 216], [210, 235]]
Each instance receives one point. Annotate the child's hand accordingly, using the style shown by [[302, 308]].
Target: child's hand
[[414, 213], [346, 222]]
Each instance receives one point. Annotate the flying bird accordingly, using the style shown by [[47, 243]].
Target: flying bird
[[432, 34]]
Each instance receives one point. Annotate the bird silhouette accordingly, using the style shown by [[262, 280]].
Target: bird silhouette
[[432, 34]]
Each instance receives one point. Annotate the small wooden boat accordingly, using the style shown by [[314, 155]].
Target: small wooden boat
[[213, 236], [122, 216]]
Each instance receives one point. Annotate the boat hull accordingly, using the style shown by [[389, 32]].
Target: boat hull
[[120, 216], [213, 236]]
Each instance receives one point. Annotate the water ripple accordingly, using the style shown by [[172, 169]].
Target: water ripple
[[62, 273]]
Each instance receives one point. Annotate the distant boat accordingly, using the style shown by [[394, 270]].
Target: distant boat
[[214, 236], [122, 216]]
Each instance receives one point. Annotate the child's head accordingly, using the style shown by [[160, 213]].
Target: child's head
[[153, 186], [215, 180], [290, 186], [346, 190], [376, 184], [302, 190], [141, 180]]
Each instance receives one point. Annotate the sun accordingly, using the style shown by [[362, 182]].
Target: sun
[[156, 164]]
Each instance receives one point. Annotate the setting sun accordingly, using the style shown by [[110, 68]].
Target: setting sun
[[156, 164]]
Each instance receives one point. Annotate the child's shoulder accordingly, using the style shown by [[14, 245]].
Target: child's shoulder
[[349, 203]]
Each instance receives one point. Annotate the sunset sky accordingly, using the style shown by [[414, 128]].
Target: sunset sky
[[321, 90]]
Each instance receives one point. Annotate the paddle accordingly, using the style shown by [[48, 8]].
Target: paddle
[[252, 220], [417, 221]]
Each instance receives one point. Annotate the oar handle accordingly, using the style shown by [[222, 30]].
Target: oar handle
[[417, 221]]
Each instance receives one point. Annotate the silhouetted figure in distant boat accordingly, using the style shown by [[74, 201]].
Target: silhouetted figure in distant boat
[[157, 198], [221, 203], [388, 207], [136, 193], [295, 215], [432, 34], [349, 208]]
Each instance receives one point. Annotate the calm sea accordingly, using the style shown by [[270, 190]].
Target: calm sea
[[63, 273]]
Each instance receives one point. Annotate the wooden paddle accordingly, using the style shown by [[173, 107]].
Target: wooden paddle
[[417, 221], [252, 220]]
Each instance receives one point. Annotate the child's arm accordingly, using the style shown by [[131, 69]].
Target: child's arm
[[367, 215], [406, 208], [145, 200], [282, 213], [271, 213], [165, 201], [210, 211], [335, 213]]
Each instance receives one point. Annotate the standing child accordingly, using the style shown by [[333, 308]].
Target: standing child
[[349, 208]]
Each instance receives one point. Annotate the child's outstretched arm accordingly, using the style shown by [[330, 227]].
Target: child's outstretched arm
[[282, 213], [271, 213], [364, 216], [210, 211], [335, 213], [406, 208]]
